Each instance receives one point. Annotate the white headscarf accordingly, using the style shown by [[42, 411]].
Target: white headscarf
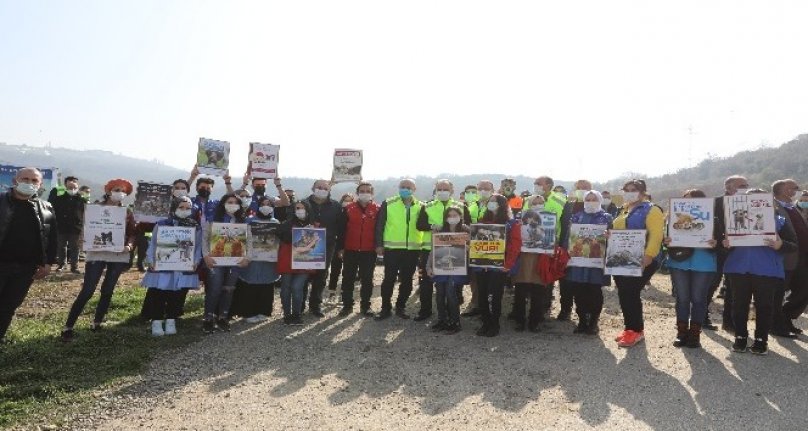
[[597, 194]]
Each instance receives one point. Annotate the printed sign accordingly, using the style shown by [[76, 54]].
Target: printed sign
[[263, 242], [228, 243], [174, 249], [104, 228], [538, 232], [487, 245], [263, 160], [449, 253], [690, 223], [213, 157], [308, 248], [152, 202], [624, 252], [587, 245], [749, 219], [347, 166]]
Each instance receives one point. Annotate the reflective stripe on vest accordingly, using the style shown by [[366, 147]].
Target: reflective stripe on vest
[[400, 231]]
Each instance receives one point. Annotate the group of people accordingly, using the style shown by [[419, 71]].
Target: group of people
[[360, 228]]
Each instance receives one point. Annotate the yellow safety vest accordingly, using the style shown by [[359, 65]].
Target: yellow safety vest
[[400, 231]]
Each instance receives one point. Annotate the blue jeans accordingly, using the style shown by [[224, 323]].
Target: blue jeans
[[92, 275], [219, 291], [692, 289], [448, 302], [292, 292]]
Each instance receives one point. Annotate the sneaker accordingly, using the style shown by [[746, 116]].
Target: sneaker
[[223, 325], [171, 327], [366, 312], [95, 326], [346, 311], [759, 347], [60, 268], [75, 271], [581, 328], [157, 328], [297, 320], [708, 324], [67, 335], [261, 317], [793, 328], [739, 345], [208, 326], [251, 319], [420, 317], [631, 339], [402, 314], [620, 336], [439, 326], [384, 314]]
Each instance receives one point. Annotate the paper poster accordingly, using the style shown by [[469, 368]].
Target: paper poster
[[263, 243], [263, 160], [152, 202], [587, 246], [308, 248], [690, 223], [213, 157], [228, 243], [104, 228], [8, 172], [487, 246], [749, 219], [449, 253], [174, 249], [624, 252], [538, 232], [347, 166]]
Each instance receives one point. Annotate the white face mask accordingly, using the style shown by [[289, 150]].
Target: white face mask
[[301, 214], [26, 189], [320, 193], [345, 204], [117, 196], [265, 210], [579, 195], [365, 197], [72, 192], [485, 194], [591, 207], [607, 202], [631, 197], [231, 208], [245, 202], [182, 213], [443, 195], [180, 193], [492, 206], [453, 220]]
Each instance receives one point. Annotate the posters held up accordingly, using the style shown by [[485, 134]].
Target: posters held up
[[213, 157], [749, 219], [449, 253], [487, 246], [538, 232], [263, 242], [587, 245], [152, 202], [263, 160], [624, 252], [308, 248], [691, 222], [104, 228], [347, 166], [175, 248], [228, 243]]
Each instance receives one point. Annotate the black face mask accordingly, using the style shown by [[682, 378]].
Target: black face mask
[[260, 190], [205, 193]]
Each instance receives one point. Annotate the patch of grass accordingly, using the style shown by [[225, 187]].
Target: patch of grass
[[41, 375]]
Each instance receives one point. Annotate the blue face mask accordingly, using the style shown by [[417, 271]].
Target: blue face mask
[[803, 205], [404, 193]]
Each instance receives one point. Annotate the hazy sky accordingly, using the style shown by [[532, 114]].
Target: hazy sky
[[571, 89]]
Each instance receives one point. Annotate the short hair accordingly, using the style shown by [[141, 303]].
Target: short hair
[[732, 178], [586, 183], [83, 188], [205, 180], [694, 193], [364, 183], [253, 180], [469, 187], [71, 178], [187, 186], [778, 185], [638, 183], [546, 179]]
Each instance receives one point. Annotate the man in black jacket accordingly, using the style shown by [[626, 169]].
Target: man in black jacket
[[68, 206], [325, 213], [27, 242]]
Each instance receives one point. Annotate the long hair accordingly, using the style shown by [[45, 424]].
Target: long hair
[[296, 221], [503, 213], [446, 227], [219, 213]]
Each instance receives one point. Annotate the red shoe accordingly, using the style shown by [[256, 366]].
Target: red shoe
[[620, 335], [630, 339]]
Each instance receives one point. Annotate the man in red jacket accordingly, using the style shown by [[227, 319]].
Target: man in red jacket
[[355, 244]]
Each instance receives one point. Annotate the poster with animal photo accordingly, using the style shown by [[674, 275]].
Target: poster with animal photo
[[624, 252], [174, 249], [213, 157], [308, 248], [691, 222], [8, 173], [347, 166], [749, 219], [587, 246], [104, 228], [487, 245], [449, 253], [152, 202], [263, 160], [538, 232], [263, 242], [228, 243]]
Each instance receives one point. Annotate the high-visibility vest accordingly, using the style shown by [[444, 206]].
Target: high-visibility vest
[[434, 212], [476, 212], [400, 231]]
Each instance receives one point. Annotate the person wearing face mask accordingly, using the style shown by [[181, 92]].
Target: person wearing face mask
[[574, 205], [336, 262], [608, 205], [638, 213], [69, 210], [27, 242], [508, 189], [470, 198], [259, 186], [476, 210], [254, 296], [356, 245], [430, 219], [115, 263], [399, 242], [293, 281], [166, 290], [802, 204], [325, 213], [447, 286]]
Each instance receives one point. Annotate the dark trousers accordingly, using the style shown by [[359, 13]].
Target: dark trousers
[[425, 285], [536, 294], [797, 299], [252, 299], [141, 247], [15, 281], [629, 291], [92, 275], [719, 276], [399, 264], [163, 304], [336, 269], [588, 298], [566, 293], [747, 286], [490, 286], [364, 263], [67, 247], [318, 280]]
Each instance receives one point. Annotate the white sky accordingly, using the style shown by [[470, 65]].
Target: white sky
[[571, 89]]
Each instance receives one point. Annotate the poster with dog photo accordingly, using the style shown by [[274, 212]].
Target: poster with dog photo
[[175, 248], [487, 245], [152, 202], [308, 248], [263, 160], [624, 252], [263, 242], [449, 253], [347, 166], [749, 219], [213, 157], [587, 245], [690, 223], [228, 243], [104, 228]]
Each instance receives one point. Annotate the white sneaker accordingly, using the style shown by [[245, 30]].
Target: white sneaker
[[251, 319], [171, 326], [157, 328], [260, 318]]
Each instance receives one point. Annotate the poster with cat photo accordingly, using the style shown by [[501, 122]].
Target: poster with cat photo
[[690, 222], [263, 160], [104, 228], [624, 252], [749, 219]]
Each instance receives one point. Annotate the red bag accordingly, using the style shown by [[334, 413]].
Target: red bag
[[552, 268]]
